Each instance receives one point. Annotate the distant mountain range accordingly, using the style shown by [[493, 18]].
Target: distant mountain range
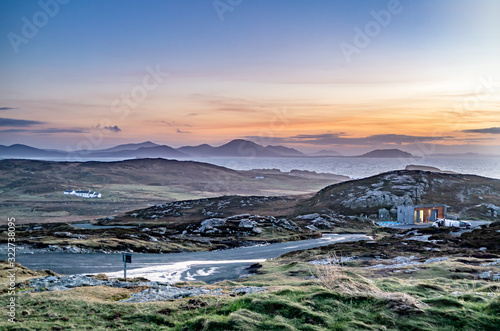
[[148, 149]]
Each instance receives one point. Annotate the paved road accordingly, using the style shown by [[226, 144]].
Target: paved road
[[475, 224], [205, 266]]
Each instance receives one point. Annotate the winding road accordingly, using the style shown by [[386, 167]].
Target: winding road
[[209, 267]]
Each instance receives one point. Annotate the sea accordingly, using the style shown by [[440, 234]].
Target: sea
[[353, 167], [360, 167]]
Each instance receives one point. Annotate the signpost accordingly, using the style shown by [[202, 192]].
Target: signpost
[[127, 258]]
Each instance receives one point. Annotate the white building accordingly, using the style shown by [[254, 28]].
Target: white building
[[83, 194]]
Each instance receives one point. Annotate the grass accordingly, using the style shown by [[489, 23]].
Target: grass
[[348, 298], [128, 185]]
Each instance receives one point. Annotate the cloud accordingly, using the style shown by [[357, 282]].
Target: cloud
[[169, 123], [47, 131], [14, 130], [338, 139], [16, 122], [114, 129], [7, 108], [58, 130], [180, 131], [486, 130]]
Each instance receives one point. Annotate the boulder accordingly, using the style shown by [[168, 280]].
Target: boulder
[[257, 230], [210, 224], [246, 223], [308, 217], [311, 227]]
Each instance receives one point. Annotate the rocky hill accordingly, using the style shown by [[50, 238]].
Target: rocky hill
[[468, 196]]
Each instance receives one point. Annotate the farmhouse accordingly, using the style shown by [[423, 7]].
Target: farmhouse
[[83, 194], [421, 213]]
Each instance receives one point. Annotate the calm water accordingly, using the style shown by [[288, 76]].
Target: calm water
[[361, 167]]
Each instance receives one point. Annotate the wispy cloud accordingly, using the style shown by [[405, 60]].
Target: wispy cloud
[[180, 131], [338, 139], [47, 131], [7, 108], [17, 123], [495, 130], [60, 130], [14, 130], [114, 128]]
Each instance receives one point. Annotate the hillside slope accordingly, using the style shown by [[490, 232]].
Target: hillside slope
[[468, 196], [33, 190]]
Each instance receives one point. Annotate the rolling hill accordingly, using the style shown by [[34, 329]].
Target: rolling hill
[[33, 190]]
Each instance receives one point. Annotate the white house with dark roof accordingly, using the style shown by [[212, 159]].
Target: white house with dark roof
[[83, 194]]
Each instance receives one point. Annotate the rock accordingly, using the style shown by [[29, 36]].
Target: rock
[[401, 261], [257, 230], [286, 224], [311, 228], [436, 259], [246, 223], [308, 217], [248, 290], [70, 235], [210, 224], [495, 262], [485, 275], [160, 230], [101, 277], [321, 223], [334, 261], [238, 217]]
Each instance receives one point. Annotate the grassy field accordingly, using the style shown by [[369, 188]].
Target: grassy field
[[299, 296], [32, 191]]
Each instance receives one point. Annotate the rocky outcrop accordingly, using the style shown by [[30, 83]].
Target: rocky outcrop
[[155, 291], [242, 225], [466, 195]]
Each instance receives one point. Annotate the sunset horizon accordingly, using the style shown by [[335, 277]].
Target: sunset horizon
[[250, 164], [343, 76]]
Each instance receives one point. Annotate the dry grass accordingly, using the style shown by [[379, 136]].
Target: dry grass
[[335, 277]]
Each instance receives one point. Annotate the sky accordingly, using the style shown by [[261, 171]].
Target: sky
[[350, 76]]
